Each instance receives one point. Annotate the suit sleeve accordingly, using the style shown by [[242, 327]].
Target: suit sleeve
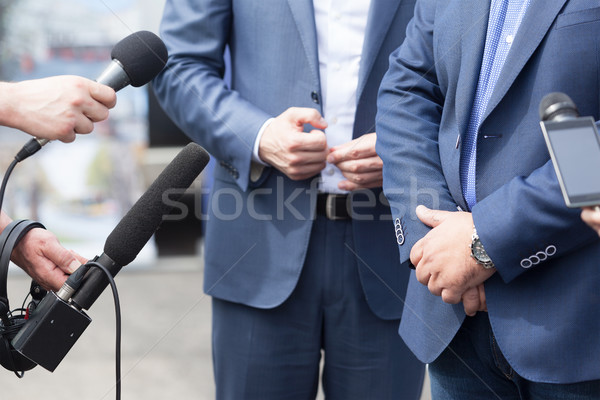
[[191, 88], [408, 119], [525, 223]]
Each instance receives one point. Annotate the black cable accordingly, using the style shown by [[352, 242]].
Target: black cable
[[29, 149], [113, 286], [12, 166]]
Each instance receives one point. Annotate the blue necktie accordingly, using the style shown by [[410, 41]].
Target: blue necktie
[[490, 69]]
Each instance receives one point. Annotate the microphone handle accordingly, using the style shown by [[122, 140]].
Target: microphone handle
[[114, 76], [94, 282]]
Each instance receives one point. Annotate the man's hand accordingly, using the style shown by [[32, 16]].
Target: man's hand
[[43, 258], [591, 216], [55, 108], [358, 162], [284, 145], [443, 259]]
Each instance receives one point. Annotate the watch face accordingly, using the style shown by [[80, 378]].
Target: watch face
[[479, 253]]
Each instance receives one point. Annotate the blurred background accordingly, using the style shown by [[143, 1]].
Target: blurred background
[[81, 190]]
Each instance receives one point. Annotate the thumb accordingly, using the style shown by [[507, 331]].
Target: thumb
[[430, 217], [63, 258], [303, 115]]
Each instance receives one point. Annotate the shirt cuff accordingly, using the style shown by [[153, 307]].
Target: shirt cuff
[[255, 156]]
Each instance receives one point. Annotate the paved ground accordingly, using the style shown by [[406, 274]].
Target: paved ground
[[165, 349]]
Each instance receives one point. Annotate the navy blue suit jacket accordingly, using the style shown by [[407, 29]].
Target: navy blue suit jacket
[[543, 302], [258, 230]]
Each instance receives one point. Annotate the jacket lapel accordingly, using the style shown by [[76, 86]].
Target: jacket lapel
[[304, 16], [381, 15], [537, 20]]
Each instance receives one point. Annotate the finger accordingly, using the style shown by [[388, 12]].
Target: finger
[[430, 217], [449, 296], [416, 253], [482, 300], [83, 125], [361, 181], [304, 171], [362, 147], [303, 115], [78, 257], [471, 301], [314, 141], [103, 94], [95, 112], [368, 164], [64, 259]]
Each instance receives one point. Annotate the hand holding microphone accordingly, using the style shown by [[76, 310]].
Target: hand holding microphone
[[55, 108], [58, 108], [61, 107]]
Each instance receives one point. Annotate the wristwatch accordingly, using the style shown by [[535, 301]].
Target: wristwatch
[[479, 253]]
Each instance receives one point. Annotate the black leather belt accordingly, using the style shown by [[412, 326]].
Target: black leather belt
[[333, 206]]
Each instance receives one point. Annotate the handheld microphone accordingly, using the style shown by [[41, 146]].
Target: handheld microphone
[[59, 320], [574, 147], [557, 106], [136, 60]]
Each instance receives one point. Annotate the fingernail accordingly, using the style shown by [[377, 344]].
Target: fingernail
[[73, 266], [330, 158]]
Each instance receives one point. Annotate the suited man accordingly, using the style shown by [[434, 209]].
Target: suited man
[[458, 132], [299, 257]]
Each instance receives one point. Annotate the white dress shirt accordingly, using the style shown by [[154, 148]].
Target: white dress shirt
[[341, 26]]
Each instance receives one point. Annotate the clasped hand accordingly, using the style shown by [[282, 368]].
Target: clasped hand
[[443, 261], [302, 155]]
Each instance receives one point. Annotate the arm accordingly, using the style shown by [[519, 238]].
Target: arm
[[408, 119], [191, 88], [527, 216], [55, 108]]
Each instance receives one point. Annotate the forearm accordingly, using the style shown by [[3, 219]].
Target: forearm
[[191, 88], [9, 98], [408, 123], [4, 220], [525, 223]]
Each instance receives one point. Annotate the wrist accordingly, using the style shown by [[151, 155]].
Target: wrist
[[7, 101], [478, 252], [4, 220]]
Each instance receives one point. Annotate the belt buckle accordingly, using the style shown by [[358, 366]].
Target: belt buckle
[[330, 208]]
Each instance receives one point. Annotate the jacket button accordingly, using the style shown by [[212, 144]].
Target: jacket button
[[315, 97]]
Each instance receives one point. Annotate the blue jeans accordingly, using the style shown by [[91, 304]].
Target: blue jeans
[[473, 367]]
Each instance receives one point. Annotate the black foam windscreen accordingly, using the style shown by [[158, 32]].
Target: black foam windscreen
[[143, 219], [142, 54], [557, 104]]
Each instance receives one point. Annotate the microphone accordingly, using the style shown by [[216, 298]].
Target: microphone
[[557, 106], [137, 227], [136, 60], [59, 320]]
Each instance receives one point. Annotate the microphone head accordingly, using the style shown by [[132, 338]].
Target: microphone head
[[557, 106], [142, 55], [143, 219]]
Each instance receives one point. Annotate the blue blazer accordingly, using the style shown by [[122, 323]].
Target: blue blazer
[[258, 230], [544, 301]]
